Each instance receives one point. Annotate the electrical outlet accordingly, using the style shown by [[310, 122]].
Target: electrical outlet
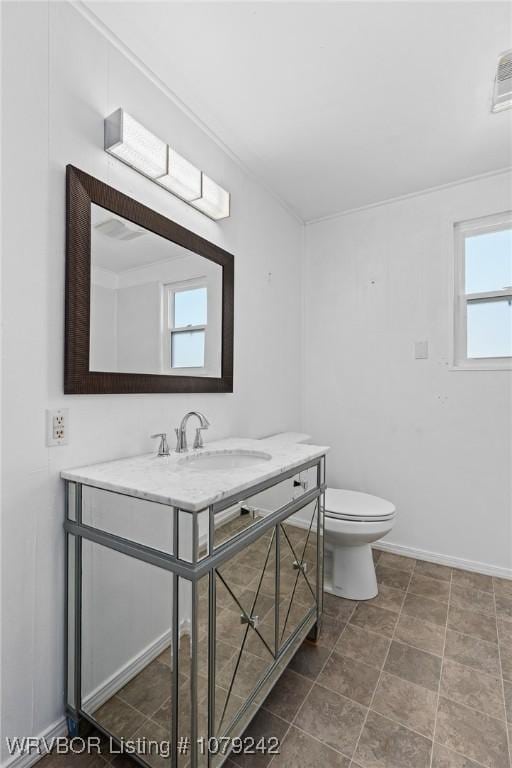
[[57, 427]]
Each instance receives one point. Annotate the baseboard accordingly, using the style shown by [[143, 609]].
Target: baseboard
[[220, 519], [100, 695], [115, 682], [26, 760], [454, 562]]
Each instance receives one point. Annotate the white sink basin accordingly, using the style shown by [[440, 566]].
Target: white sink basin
[[237, 459]]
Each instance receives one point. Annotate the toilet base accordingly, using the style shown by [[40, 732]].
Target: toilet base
[[353, 573]]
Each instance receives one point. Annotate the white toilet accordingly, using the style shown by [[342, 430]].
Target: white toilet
[[353, 521]]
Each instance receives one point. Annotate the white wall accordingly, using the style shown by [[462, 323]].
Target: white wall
[[139, 328], [103, 346], [436, 442], [62, 78]]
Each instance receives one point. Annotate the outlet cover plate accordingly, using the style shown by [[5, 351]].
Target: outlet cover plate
[[421, 350], [57, 427]]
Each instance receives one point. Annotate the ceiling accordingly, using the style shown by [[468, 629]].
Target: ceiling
[[122, 255], [334, 105]]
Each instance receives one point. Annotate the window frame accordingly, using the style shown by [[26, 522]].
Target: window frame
[[462, 230], [169, 291]]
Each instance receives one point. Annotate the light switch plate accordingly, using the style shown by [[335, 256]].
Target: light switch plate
[[57, 427], [421, 350]]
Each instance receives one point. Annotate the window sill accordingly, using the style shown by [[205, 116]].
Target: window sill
[[485, 365]]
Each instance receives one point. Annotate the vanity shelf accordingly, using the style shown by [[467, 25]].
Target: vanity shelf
[[180, 620]]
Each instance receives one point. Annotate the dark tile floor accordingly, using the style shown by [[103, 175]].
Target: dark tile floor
[[419, 677]]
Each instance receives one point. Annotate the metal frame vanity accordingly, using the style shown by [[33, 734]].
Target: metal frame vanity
[[206, 605]]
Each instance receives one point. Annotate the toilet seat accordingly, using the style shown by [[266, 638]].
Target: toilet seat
[[357, 507]]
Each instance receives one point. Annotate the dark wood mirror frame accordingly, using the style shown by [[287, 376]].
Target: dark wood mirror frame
[[81, 191]]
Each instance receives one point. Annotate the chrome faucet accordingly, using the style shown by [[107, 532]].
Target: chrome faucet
[[181, 432]]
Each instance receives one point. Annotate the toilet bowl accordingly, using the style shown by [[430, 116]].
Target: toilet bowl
[[353, 521]]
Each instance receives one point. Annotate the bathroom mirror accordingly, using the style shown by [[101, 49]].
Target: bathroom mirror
[[149, 304]]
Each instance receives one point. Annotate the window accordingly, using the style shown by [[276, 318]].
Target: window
[[187, 317], [483, 301]]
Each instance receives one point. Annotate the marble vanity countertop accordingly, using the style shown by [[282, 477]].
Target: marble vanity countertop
[[285, 438], [165, 480]]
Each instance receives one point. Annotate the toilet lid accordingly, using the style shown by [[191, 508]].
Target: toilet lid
[[353, 505]]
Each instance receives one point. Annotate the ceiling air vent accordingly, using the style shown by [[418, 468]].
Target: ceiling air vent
[[502, 97], [118, 230]]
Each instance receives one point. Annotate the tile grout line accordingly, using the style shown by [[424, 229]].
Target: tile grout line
[[441, 674], [398, 614], [356, 603], [314, 681], [507, 730], [472, 709], [403, 679], [382, 668], [472, 637], [285, 734], [315, 738], [460, 754], [412, 730], [497, 677], [345, 623]]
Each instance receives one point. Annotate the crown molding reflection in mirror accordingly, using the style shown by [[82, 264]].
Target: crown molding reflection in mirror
[[132, 143]]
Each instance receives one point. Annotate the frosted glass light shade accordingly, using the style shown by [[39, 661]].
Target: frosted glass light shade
[[182, 178], [214, 200], [133, 144], [128, 140]]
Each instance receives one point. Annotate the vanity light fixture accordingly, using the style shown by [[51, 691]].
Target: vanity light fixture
[[129, 141], [132, 143], [182, 178], [214, 200]]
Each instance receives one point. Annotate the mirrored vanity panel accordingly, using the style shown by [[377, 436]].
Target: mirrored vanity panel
[[149, 304], [138, 520], [126, 656], [247, 512], [178, 636]]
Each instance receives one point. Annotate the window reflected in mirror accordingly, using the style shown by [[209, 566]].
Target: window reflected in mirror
[[187, 314]]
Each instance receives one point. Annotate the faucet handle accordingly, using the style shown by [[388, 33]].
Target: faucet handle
[[198, 440], [163, 448]]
